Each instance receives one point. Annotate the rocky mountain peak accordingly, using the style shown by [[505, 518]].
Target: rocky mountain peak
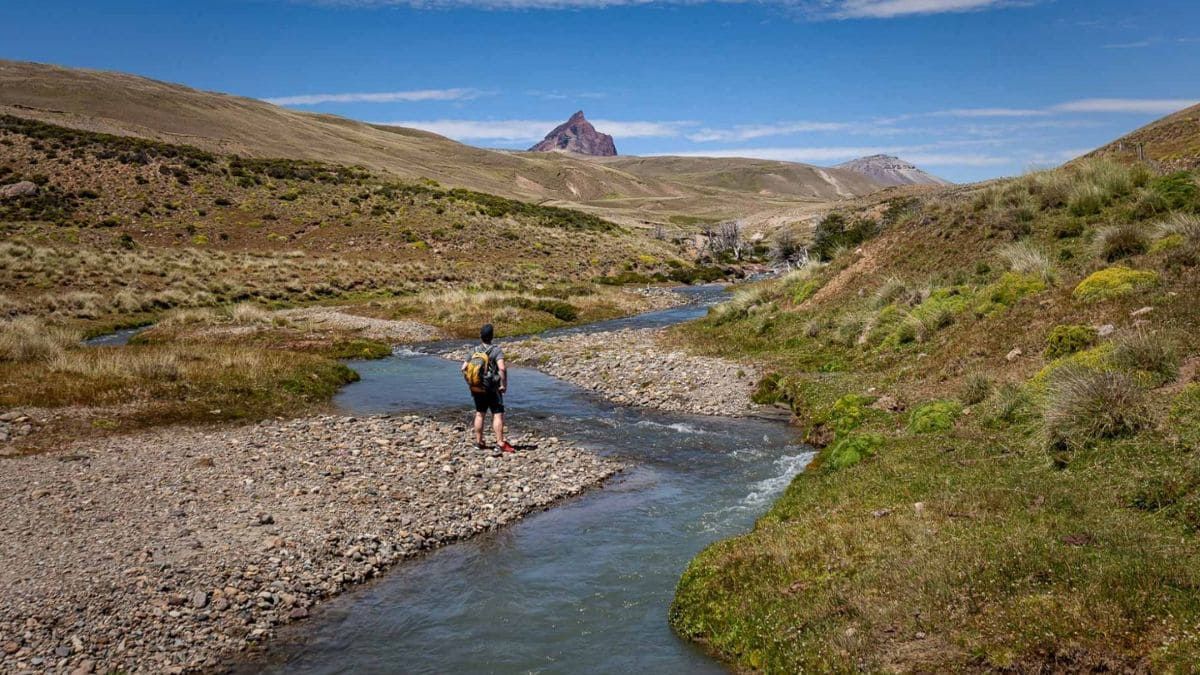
[[577, 135], [891, 170]]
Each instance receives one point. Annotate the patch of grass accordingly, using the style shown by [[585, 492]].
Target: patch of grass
[[976, 389], [359, 348], [1113, 282], [1147, 354], [1065, 340], [1122, 241], [1084, 405], [934, 416], [157, 384], [30, 340]]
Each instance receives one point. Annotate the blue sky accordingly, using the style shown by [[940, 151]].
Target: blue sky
[[968, 89]]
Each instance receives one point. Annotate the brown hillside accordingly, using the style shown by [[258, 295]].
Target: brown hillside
[[128, 105], [1173, 141]]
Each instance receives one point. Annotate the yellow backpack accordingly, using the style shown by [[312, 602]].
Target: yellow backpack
[[481, 372]]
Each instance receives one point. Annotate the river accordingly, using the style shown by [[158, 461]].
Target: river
[[583, 587]]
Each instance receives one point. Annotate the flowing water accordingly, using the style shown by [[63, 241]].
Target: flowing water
[[581, 588]]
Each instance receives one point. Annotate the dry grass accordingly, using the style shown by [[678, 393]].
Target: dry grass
[[1150, 354], [1026, 258], [142, 385], [28, 340], [1084, 406]]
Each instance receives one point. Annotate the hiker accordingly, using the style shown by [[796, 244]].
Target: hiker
[[488, 379]]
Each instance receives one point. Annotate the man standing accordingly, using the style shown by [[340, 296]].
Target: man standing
[[487, 376]]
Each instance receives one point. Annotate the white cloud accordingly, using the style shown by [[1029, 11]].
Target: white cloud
[[534, 130], [745, 132], [1146, 106], [887, 9], [378, 97]]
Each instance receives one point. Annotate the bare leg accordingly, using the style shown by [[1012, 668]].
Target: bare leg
[[478, 428], [498, 427]]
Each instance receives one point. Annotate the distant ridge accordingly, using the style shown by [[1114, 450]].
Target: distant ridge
[[890, 170], [577, 135]]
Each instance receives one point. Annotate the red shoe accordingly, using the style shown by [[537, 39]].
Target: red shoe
[[505, 447]]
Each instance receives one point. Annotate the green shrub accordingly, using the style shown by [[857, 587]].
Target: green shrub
[[848, 413], [1084, 405], [834, 232], [1145, 352], [934, 416], [851, 449], [769, 390], [1007, 291], [1113, 282], [1177, 190], [1065, 340]]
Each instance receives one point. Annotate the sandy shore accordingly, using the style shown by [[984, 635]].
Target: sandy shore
[[168, 551]]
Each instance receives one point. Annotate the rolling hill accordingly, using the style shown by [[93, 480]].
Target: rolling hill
[[1173, 141], [629, 190]]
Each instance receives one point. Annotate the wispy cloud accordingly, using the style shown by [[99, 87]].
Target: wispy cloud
[[745, 132], [888, 9], [988, 112], [555, 95], [1146, 106], [532, 130], [378, 97], [816, 9], [1132, 45]]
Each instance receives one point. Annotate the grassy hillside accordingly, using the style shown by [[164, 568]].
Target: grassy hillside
[[1003, 382], [127, 105], [1173, 141], [120, 226], [124, 231]]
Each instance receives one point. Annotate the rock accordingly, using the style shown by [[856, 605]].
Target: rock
[[1014, 354], [199, 599], [1141, 312], [298, 613], [265, 519], [11, 647], [579, 136], [10, 416], [20, 189], [1106, 330], [888, 403]]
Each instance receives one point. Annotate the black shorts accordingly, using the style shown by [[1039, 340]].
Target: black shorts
[[492, 400]]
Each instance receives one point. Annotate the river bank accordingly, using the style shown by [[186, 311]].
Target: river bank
[[166, 551], [642, 367]]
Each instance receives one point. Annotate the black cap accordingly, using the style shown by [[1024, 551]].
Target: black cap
[[486, 332]]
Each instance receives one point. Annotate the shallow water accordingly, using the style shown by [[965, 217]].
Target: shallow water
[[116, 338], [581, 588]]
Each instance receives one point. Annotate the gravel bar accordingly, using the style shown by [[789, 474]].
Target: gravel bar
[[170, 551]]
